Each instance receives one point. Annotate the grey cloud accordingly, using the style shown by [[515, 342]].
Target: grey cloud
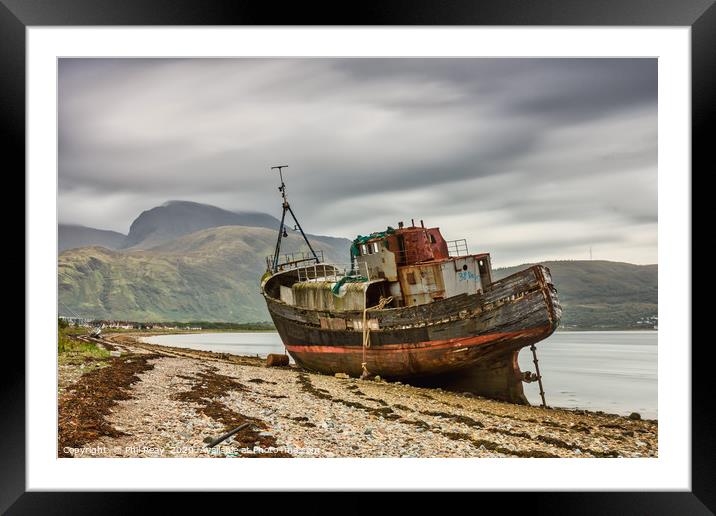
[[370, 142]]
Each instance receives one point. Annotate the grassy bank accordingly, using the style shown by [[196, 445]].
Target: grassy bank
[[71, 349]]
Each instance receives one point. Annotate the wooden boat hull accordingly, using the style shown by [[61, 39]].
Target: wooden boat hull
[[467, 342]]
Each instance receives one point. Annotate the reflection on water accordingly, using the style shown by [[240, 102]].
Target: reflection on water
[[609, 371]]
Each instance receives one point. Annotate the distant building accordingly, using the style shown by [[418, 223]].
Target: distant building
[[78, 321]]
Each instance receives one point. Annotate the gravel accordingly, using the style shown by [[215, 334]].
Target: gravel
[[300, 414]]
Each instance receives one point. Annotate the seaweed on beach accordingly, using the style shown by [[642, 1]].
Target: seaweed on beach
[[465, 420], [206, 391], [84, 405]]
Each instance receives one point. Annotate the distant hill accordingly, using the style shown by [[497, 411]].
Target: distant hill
[[186, 261], [176, 219], [71, 236], [211, 275], [601, 295]]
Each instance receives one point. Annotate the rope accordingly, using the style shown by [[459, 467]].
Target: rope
[[366, 331], [383, 301]]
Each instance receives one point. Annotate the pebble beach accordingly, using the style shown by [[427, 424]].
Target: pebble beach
[[155, 401]]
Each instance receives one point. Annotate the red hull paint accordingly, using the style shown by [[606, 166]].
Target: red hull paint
[[415, 346], [414, 360]]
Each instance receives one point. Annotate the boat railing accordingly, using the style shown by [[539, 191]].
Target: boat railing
[[412, 255], [288, 261], [332, 272], [457, 247]]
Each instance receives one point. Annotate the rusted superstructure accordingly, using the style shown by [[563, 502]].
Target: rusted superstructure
[[419, 266], [414, 307]]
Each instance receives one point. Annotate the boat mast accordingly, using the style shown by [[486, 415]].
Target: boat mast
[[282, 229]]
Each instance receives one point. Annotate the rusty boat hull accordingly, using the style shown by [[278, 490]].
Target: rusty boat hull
[[468, 342]]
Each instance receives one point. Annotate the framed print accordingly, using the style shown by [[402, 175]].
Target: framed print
[[422, 249]]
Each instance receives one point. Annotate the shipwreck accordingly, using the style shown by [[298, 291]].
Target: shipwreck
[[410, 306]]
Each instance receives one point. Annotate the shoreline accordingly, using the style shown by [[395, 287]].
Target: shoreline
[[628, 330], [162, 401], [560, 395], [223, 330]]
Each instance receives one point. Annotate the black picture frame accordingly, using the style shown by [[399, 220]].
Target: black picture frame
[[700, 15]]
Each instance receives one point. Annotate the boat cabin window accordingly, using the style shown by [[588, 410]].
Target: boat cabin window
[[484, 272], [401, 249]]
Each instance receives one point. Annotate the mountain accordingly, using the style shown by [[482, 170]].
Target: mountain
[[212, 275], [602, 295], [70, 236], [176, 219], [190, 261]]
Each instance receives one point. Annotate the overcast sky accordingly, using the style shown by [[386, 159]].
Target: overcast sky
[[529, 159]]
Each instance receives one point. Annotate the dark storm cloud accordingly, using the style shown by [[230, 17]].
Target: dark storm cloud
[[529, 158], [553, 89]]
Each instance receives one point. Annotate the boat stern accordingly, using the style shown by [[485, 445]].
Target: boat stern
[[554, 308]]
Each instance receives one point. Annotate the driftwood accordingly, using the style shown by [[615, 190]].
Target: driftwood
[[227, 435], [275, 360]]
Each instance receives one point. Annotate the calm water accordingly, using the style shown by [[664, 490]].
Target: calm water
[[246, 343], [610, 371], [613, 371]]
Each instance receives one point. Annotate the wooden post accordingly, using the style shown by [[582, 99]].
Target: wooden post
[[539, 376], [228, 434]]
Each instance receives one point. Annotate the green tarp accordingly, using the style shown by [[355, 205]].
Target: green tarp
[[360, 239], [346, 279]]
